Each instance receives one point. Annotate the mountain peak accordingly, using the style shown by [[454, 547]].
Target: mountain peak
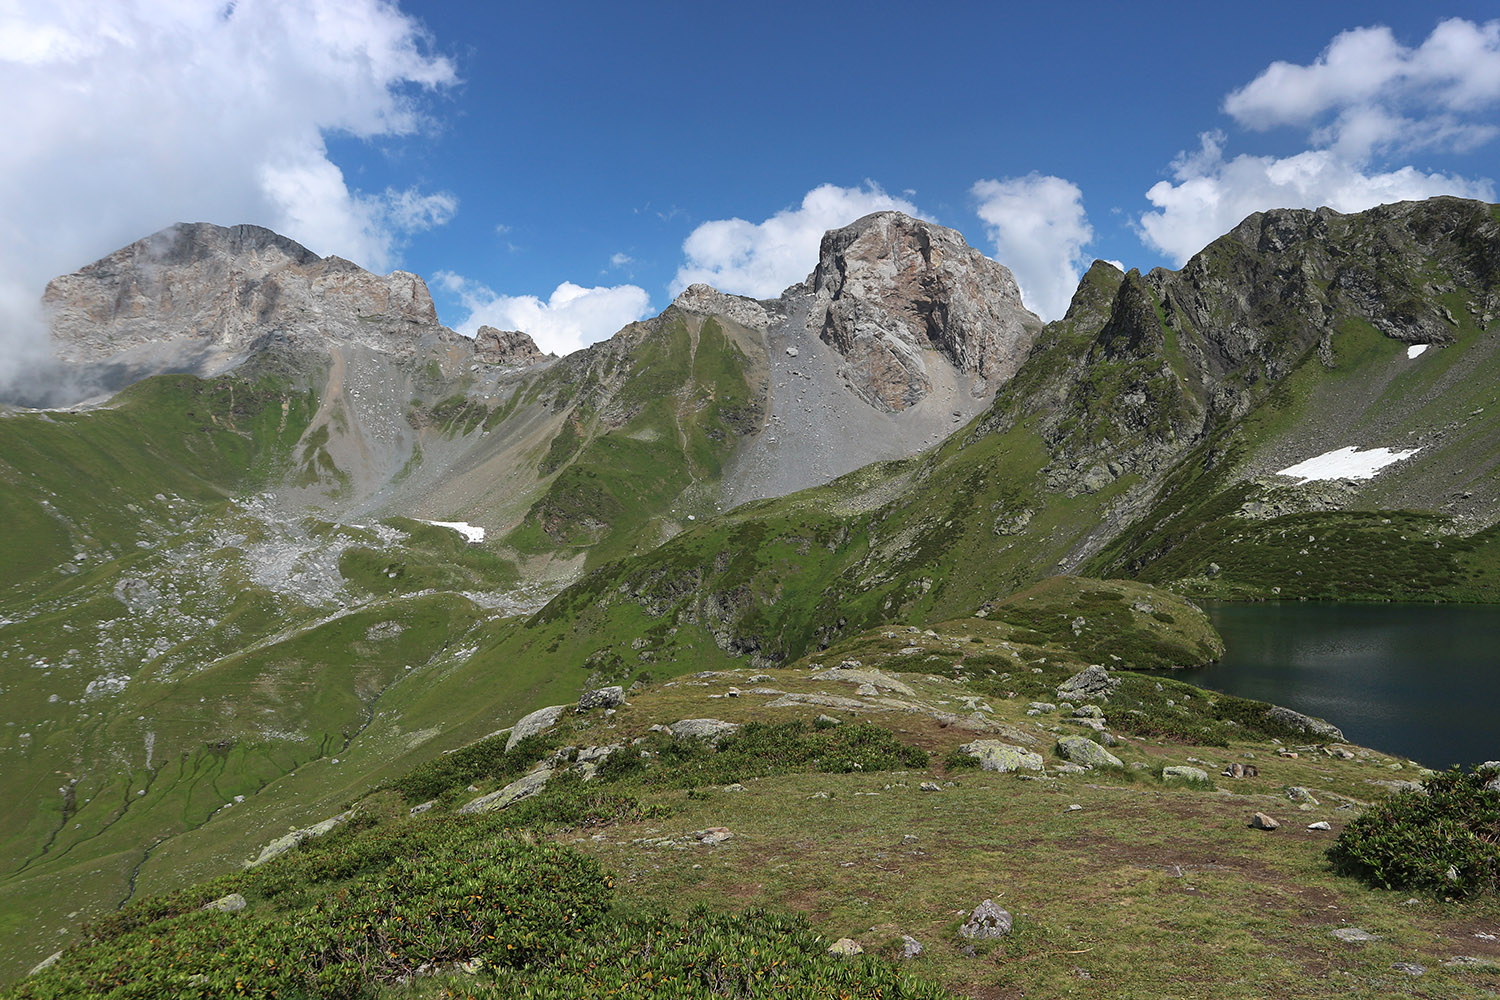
[[890, 287]]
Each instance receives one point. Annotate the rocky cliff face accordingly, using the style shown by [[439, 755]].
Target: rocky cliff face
[[198, 297], [890, 289], [506, 347]]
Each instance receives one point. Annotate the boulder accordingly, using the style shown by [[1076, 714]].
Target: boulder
[[701, 729], [605, 697], [1260, 821], [996, 756], [281, 845], [910, 946], [1085, 752], [539, 721], [987, 921], [1303, 723], [1089, 684], [1184, 773], [45, 963], [1297, 793], [232, 903], [845, 947], [522, 788]]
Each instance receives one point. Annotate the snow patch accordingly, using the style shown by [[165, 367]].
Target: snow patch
[[1346, 463], [471, 532], [1415, 350]]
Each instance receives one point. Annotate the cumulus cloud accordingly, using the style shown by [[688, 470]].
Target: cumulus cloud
[[571, 318], [761, 259], [1039, 229], [1364, 101], [1211, 195], [1367, 92], [124, 117]]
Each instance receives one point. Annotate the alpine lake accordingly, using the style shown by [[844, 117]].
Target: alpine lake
[[1418, 680]]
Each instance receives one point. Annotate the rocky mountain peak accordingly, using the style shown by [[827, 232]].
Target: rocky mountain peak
[[506, 347], [889, 288], [196, 297]]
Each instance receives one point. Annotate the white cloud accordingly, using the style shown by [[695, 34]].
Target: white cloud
[[1367, 92], [572, 317], [124, 117], [1039, 229], [620, 260], [1211, 195], [762, 259]]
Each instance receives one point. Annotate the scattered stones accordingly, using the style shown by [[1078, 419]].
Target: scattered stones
[[701, 729], [539, 721], [1469, 962], [1089, 684], [828, 720], [1040, 708], [1071, 769], [1240, 771], [1410, 968], [910, 946], [994, 755], [845, 947], [987, 921], [1353, 934], [605, 697], [1085, 752], [1088, 712], [1184, 773], [713, 835], [736, 787], [930, 786], [909, 838], [1260, 821], [1321, 824], [232, 903]]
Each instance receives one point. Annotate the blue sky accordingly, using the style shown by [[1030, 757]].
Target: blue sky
[[566, 168]]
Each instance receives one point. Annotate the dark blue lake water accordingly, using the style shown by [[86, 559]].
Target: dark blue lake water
[[1421, 681]]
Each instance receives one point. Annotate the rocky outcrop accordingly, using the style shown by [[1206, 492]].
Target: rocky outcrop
[[889, 290], [199, 297], [507, 347]]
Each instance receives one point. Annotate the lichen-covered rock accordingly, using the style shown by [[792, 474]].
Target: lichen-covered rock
[[232, 903], [987, 921], [1089, 684], [701, 729], [539, 721], [1183, 772], [1085, 752], [845, 947], [1303, 723], [605, 697], [281, 845], [994, 755], [522, 788]]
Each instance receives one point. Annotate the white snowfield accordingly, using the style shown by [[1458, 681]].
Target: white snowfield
[[1415, 350], [471, 532], [1346, 463]]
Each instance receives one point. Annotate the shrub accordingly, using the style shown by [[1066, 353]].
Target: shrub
[[487, 759], [1444, 840]]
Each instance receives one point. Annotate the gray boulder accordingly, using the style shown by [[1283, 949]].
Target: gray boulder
[[539, 721], [1089, 684], [522, 788], [1303, 723], [605, 697], [1299, 794], [986, 922], [1084, 751], [845, 947], [45, 963], [281, 845], [996, 756], [232, 903], [701, 729], [1185, 773], [910, 946]]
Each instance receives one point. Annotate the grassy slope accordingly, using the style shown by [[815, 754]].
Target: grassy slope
[[1134, 886]]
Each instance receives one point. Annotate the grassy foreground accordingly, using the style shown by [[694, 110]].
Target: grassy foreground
[[841, 807]]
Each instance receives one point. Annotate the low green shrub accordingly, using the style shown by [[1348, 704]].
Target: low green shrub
[[486, 759], [708, 955], [1444, 840]]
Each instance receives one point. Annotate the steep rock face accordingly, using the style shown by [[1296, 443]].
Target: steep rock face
[[889, 288], [198, 297], [506, 347]]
